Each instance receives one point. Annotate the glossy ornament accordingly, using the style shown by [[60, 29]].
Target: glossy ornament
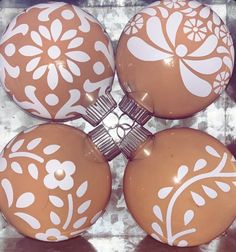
[[54, 183], [174, 58], [57, 63], [180, 186]]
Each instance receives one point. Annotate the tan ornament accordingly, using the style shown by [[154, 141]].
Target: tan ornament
[[54, 183], [174, 58], [57, 63], [180, 186]]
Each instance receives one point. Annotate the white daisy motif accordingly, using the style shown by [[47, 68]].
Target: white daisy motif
[[225, 35], [134, 25], [174, 4], [59, 174], [54, 37], [195, 29], [221, 82], [51, 234]]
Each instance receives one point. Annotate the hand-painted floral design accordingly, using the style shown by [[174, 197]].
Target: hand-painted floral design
[[195, 29], [51, 234], [54, 37], [221, 82], [59, 174], [134, 25], [225, 35], [174, 3]]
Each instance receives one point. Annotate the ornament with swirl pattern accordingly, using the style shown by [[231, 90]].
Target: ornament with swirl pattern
[[57, 62], [174, 58]]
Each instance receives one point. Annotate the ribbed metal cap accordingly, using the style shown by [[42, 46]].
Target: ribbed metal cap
[[137, 136], [96, 112], [130, 107], [104, 142]]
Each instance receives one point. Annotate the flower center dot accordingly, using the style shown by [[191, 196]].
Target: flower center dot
[[181, 50], [133, 23], [54, 52], [195, 29], [59, 174]]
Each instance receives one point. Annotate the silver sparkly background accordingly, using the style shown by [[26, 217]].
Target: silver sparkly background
[[117, 231]]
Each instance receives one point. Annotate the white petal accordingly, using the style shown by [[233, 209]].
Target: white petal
[[228, 62], [7, 187], [194, 84], [206, 48], [182, 172], [212, 151], [223, 186], [209, 192], [155, 33], [164, 192], [74, 68], [3, 164], [222, 49], [56, 29], [157, 228], [34, 143], [78, 56], [200, 164], [157, 212], [66, 75], [194, 4], [50, 182], [30, 220], [16, 167], [82, 189], [17, 145], [33, 171], [198, 199], [32, 64], [188, 216], [30, 51], [56, 201], [79, 223], [205, 12], [36, 38], [69, 35], [44, 32], [39, 72], [55, 219], [84, 207], [25, 200], [75, 43], [143, 51], [172, 26], [52, 78], [51, 149]]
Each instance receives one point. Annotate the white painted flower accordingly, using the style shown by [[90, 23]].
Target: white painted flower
[[225, 35], [221, 82], [174, 4], [195, 29], [59, 174], [54, 37], [134, 25], [51, 234], [198, 61]]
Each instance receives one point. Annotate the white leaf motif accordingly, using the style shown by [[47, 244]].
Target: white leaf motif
[[95, 217], [56, 201], [188, 216], [29, 219], [182, 172], [212, 151], [157, 212], [17, 145], [25, 200], [55, 219], [156, 227], [33, 171], [16, 167], [199, 200], [164, 192], [200, 164], [79, 223], [7, 187], [82, 189], [223, 186], [34, 143], [209, 192], [51, 149], [84, 207]]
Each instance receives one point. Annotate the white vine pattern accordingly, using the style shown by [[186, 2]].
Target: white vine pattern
[[164, 193]]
